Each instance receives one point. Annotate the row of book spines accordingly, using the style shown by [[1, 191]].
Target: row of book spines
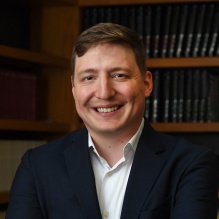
[[184, 96], [187, 30], [17, 94], [10, 157]]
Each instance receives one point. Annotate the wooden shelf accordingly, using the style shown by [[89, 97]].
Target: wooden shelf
[[211, 127], [33, 57], [84, 3], [182, 62], [4, 197], [33, 126]]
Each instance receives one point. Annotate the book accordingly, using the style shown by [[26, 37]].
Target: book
[[181, 30], [214, 32], [165, 30], [10, 157], [147, 30], [174, 96], [195, 95], [198, 29], [132, 18], [188, 96], [86, 21], [155, 97], [156, 20], [206, 29], [217, 47], [173, 31], [17, 95], [140, 22], [166, 96], [181, 91], [204, 93], [190, 27]]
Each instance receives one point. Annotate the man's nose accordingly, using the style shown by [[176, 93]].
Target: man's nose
[[104, 88]]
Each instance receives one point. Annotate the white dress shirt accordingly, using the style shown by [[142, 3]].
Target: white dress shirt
[[111, 182]]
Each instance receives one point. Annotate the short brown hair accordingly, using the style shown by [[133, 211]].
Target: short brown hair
[[109, 33]]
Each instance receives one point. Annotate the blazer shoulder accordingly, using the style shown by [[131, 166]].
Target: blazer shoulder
[[60, 144]]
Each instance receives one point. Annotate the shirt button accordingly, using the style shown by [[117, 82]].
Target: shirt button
[[106, 214], [110, 174]]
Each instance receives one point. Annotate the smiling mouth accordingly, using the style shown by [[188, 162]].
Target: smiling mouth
[[107, 110]]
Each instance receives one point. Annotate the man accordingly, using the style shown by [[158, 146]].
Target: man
[[118, 166]]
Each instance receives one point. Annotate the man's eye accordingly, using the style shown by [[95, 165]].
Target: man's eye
[[88, 78], [118, 75]]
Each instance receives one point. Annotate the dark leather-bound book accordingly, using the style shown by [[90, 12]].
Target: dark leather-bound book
[[181, 30], [181, 91], [165, 96], [165, 30], [147, 30], [214, 32], [174, 96], [155, 96], [198, 30], [188, 96], [173, 30], [190, 28], [195, 94], [156, 25], [203, 97], [206, 29]]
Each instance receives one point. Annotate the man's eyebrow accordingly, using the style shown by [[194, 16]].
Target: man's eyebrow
[[119, 69], [88, 70]]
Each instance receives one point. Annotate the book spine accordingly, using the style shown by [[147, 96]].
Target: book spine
[[188, 96], [166, 15], [203, 95], [195, 95], [140, 20], [181, 30], [147, 30], [132, 18], [181, 87], [155, 96], [156, 31], [174, 96], [206, 29], [166, 96], [198, 30], [190, 31], [214, 32], [173, 31]]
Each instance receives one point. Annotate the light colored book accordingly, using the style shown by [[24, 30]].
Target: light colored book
[[11, 152]]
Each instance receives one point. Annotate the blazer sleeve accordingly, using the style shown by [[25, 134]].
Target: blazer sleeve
[[196, 196], [24, 202]]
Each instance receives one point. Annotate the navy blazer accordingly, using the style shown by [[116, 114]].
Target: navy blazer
[[169, 178]]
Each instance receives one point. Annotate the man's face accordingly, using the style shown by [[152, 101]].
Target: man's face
[[109, 90]]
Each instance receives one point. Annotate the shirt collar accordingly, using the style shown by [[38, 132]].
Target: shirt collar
[[133, 142]]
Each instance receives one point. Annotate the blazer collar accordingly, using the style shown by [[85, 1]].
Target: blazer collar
[[145, 169], [79, 167]]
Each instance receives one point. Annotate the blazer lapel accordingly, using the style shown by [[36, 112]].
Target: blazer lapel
[[81, 175], [145, 169]]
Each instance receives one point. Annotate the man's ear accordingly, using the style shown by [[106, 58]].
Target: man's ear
[[148, 80]]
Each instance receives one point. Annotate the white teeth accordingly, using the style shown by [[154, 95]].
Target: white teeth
[[107, 110]]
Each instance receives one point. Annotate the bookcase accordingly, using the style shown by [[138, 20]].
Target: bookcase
[[54, 25]]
